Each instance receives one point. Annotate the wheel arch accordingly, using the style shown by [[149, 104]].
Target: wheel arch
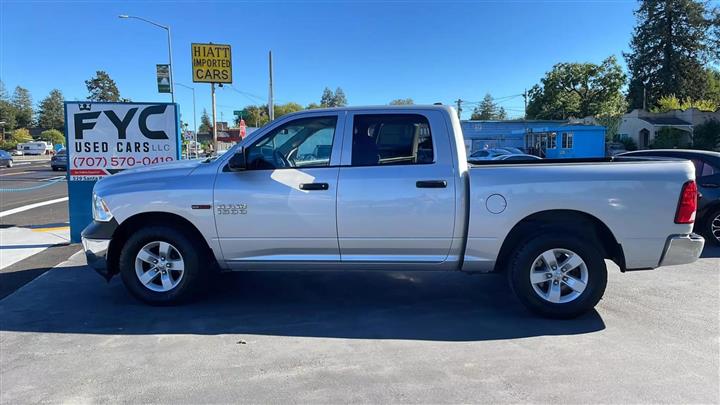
[[568, 219], [137, 221]]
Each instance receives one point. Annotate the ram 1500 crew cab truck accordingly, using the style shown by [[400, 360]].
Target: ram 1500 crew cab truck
[[390, 188]]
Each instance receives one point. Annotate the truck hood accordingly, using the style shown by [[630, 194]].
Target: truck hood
[[176, 166], [157, 175]]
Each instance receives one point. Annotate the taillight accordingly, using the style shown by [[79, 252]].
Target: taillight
[[688, 204]]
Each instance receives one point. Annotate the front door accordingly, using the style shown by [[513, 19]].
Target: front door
[[283, 207], [396, 191]]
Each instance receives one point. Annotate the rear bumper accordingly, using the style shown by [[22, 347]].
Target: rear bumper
[[682, 249]]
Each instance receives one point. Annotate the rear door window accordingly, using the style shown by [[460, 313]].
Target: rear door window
[[391, 139]]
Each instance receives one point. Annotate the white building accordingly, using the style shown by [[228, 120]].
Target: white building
[[642, 126]]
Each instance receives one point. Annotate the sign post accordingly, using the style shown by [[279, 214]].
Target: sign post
[[163, 78], [105, 138], [212, 63]]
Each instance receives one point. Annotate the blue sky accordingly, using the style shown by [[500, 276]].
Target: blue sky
[[430, 51]]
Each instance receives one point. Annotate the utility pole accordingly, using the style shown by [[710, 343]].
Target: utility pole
[[214, 121], [644, 97], [271, 107], [459, 107], [169, 40], [525, 110]]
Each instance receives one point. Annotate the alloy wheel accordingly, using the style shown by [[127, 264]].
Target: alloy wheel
[[715, 227], [559, 275], [159, 266]]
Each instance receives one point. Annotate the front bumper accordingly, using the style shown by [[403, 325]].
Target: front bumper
[[96, 242], [682, 249], [96, 254]]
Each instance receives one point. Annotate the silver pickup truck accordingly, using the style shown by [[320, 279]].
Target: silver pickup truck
[[389, 188]]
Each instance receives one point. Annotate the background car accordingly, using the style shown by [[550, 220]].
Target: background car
[[517, 156], [16, 152], [486, 154], [707, 175], [5, 159], [511, 149], [59, 160], [614, 148]]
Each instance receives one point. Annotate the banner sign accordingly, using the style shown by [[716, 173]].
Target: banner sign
[[104, 138], [163, 78], [211, 63]]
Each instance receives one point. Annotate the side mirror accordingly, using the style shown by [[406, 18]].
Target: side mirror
[[238, 162]]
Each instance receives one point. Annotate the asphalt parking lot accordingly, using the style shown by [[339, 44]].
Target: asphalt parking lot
[[68, 337]]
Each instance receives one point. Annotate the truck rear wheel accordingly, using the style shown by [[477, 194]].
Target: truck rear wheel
[[558, 274], [161, 265]]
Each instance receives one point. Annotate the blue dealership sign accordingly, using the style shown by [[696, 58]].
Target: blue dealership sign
[[106, 138]]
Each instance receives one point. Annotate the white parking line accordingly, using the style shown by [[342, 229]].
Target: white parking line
[[31, 206]]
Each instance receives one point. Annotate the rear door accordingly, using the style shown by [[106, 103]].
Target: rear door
[[396, 190]]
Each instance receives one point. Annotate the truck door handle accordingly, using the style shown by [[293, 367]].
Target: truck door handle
[[314, 186], [431, 184], [710, 185]]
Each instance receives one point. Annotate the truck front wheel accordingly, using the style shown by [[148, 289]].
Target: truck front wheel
[[161, 265], [558, 274]]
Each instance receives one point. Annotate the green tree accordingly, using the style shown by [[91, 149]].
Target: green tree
[[402, 101], [53, 136], [330, 99], [257, 115], [707, 135], [282, 109], [21, 135], [7, 111], [102, 88], [488, 110], [327, 98], [713, 85], [669, 103], [22, 103], [669, 138], [313, 106], [611, 122], [668, 48], [578, 90], [340, 99], [51, 114], [8, 145], [205, 123]]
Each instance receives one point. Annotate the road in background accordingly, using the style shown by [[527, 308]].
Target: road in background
[[32, 240]]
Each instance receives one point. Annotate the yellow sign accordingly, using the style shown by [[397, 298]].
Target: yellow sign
[[211, 63]]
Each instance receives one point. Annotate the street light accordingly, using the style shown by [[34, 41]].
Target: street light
[[167, 28], [194, 113]]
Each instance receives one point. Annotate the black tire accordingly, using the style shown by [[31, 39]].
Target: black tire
[[523, 258], [54, 168], [707, 227], [194, 278]]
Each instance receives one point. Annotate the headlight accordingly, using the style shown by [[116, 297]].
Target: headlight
[[100, 210]]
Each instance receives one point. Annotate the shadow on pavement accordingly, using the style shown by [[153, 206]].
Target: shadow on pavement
[[710, 251], [355, 305]]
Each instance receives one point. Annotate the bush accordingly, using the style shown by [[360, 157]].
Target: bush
[[21, 135], [8, 145], [707, 136], [670, 138], [53, 136], [628, 142]]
